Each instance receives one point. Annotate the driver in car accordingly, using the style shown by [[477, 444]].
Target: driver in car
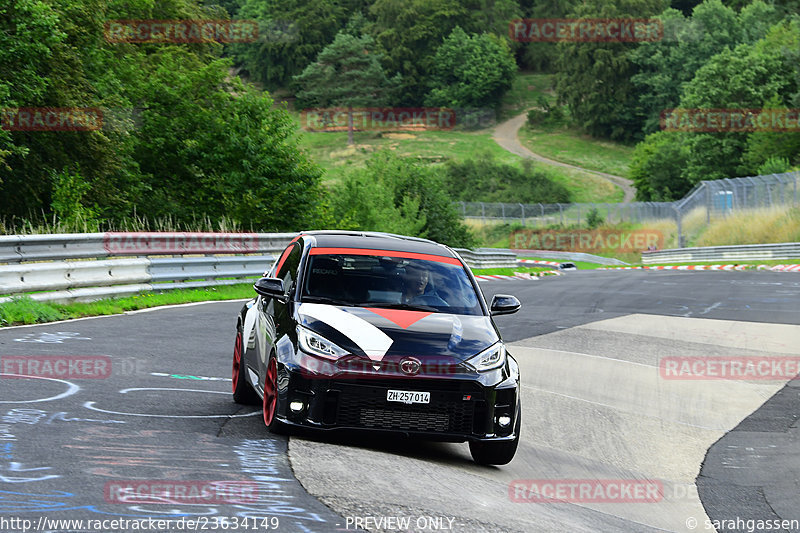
[[415, 285]]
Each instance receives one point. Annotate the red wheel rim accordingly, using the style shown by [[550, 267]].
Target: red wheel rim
[[270, 391], [237, 359]]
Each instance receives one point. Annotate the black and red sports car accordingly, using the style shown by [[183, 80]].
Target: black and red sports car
[[372, 331]]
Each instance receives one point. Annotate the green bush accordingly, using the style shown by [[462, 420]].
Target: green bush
[[486, 180], [546, 115], [775, 165], [398, 195], [594, 218]]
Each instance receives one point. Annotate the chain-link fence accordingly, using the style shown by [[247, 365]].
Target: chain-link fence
[[546, 214], [714, 198]]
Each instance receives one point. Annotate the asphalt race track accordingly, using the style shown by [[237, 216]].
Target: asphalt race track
[[151, 405]]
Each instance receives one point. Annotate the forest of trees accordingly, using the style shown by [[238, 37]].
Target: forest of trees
[[183, 137]]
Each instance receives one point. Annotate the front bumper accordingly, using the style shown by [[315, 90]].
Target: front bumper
[[462, 407]]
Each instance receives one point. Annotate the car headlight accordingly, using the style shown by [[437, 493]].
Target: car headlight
[[492, 357], [316, 344]]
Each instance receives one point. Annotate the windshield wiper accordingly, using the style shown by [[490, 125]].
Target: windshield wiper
[[398, 305], [325, 300]]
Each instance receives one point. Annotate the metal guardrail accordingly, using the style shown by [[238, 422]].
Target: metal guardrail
[[83, 267], [20, 248], [488, 257], [58, 275], [17, 248], [75, 267], [90, 280], [562, 256], [780, 251], [186, 268]]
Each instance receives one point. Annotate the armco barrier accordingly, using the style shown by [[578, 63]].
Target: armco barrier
[[19, 248], [58, 275], [75, 267], [70, 267], [16, 248], [90, 280], [488, 258], [746, 252], [566, 256], [186, 268]]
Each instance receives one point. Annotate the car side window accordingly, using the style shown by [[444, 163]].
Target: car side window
[[287, 270]]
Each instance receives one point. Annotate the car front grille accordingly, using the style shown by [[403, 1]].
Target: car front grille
[[409, 420], [365, 406]]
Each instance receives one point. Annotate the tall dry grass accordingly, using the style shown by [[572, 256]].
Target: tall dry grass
[[755, 226], [25, 226]]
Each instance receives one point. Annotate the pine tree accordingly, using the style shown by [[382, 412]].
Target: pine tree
[[347, 73]]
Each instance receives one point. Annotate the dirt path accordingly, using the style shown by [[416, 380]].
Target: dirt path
[[505, 134]]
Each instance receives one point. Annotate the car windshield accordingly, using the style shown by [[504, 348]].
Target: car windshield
[[395, 282]]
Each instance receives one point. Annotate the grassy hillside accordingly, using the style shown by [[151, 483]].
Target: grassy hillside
[[570, 146], [330, 150]]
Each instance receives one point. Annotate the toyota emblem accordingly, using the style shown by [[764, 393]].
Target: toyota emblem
[[410, 366]]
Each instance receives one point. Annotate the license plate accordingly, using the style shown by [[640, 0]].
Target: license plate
[[405, 396]]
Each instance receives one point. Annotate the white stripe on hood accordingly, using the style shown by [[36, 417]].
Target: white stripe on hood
[[369, 338]]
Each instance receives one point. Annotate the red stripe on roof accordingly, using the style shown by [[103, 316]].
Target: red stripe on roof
[[385, 253]]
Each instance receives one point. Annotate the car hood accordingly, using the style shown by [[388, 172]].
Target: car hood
[[391, 333]]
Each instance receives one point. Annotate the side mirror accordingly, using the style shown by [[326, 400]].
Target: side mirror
[[504, 304], [270, 287]]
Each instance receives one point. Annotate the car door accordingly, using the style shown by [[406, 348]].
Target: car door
[[276, 313]]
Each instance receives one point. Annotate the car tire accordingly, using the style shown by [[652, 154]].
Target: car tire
[[242, 391], [269, 403], [497, 453]]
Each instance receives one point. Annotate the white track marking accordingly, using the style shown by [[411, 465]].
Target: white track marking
[[71, 389], [177, 306], [91, 406]]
